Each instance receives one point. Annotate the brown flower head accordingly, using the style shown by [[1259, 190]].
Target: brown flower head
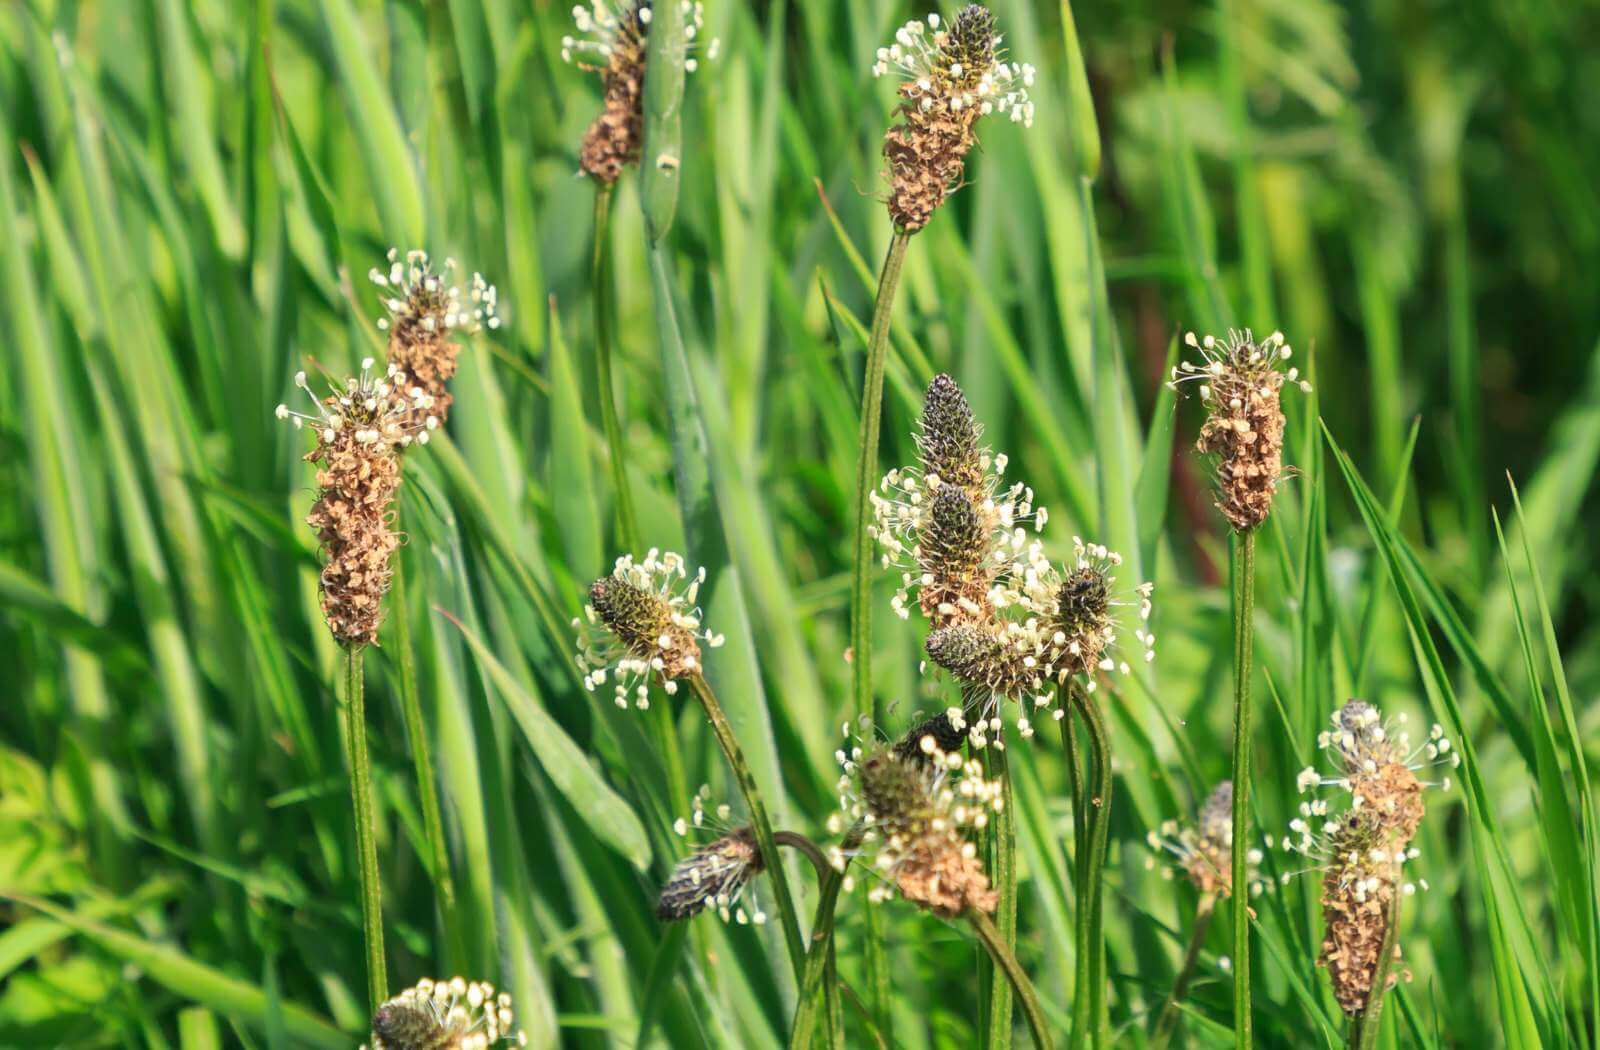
[[954, 73], [614, 43], [424, 310], [1203, 853], [360, 428], [641, 621], [917, 813], [454, 1014], [1360, 851], [1240, 386], [713, 876]]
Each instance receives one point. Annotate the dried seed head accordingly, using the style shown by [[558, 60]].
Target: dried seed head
[[454, 1014], [361, 428], [641, 621], [1203, 853], [952, 77], [1240, 384], [423, 309], [713, 876], [614, 43]]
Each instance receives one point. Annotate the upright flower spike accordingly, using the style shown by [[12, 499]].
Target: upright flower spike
[[454, 1014], [1202, 852], [917, 814], [360, 427], [423, 309], [613, 42], [1240, 386], [954, 73], [642, 621], [1361, 848]]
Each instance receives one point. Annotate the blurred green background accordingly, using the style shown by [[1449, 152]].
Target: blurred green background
[[191, 192]]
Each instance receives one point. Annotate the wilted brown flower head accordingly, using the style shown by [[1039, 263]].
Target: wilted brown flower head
[[946, 521], [1240, 386], [454, 1014], [713, 876], [361, 428], [423, 310], [1360, 851], [641, 621], [916, 813], [1203, 853], [615, 44], [954, 74]]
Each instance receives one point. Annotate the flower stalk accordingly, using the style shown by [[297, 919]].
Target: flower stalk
[[600, 280], [1097, 811], [1243, 593], [355, 708], [1005, 961], [1167, 1022]]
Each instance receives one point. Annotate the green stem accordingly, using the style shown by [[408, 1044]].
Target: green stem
[[1168, 1021], [1243, 586], [1005, 878], [867, 475], [805, 1014], [1005, 960], [1080, 862], [759, 821], [1098, 808], [1364, 1028], [366, 824], [422, 760], [600, 280]]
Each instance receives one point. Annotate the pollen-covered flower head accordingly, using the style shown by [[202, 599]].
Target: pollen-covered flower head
[[1240, 384], [1203, 852], [945, 521], [716, 874], [642, 621], [1360, 840], [954, 72], [423, 309], [360, 427], [916, 813], [453, 1014], [613, 41]]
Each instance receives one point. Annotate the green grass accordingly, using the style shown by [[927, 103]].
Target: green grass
[[191, 194]]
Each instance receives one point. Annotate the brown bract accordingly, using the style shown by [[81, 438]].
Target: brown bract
[[1245, 431], [1353, 935], [616, 137], [940, 873], [927, 153], [429, 357], [356, 484]]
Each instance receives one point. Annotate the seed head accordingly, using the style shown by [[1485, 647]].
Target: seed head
[[453, 1014], [641, 621], [1203, 853], [952, 76], [713, 876], [946, 729], [949, 438], [1240, 384]]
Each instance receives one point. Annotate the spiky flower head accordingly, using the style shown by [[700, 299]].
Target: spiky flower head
[[946, 521], [360, 427], [453, 1014], [954, 72], [1203, 852], [713, 876], [1240, 386], [915, 815], [1360, 843], [423, 309], [613, 41], [642, 621]]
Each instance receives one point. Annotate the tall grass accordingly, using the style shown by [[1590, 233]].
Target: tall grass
[[189, 200]]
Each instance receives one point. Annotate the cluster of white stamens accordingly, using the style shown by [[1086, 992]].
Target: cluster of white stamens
[[920, 54], [413, 293], [604, 25], [373, 408]]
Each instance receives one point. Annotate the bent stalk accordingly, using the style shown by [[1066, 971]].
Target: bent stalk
[[1006, 961]]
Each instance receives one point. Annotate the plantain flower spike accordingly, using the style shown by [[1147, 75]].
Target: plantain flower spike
[[918, 810], [423, 309], [954, 72], [454, 1014], [1203, 853], [361, 428], [1360, 848], [713, 876], [1240, 386], [641, 621], [613, 42]]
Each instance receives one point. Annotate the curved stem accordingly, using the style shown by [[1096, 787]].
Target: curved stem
[[759, 821], [1168, 1021], [805, 1014], [1006, 961], [1243, 587], [1098, 808], [355, 709], [867, 475], [1364, 1029], [601, 281]]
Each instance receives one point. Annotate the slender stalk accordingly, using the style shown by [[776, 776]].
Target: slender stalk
[[759, 822], [1004, 871], [1098, 809], [867, 474], [1167, 1023], [422, 761], [1243, 586], [1364, 1029], [355, 709], [1005, 960], [1080, 858], [600, 280], [832, 987], [805, 1014]]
